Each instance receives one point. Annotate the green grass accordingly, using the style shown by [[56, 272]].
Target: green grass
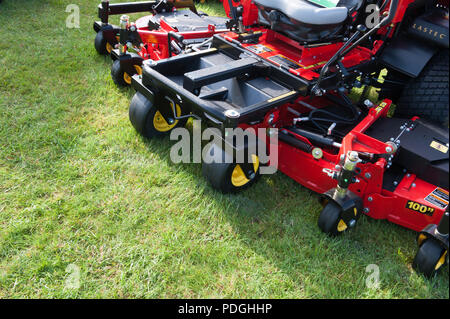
[[79, 186]]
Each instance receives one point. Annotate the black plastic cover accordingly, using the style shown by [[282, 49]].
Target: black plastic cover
[[423, 151]]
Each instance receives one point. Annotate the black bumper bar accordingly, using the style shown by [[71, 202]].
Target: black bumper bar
[[106, 9]]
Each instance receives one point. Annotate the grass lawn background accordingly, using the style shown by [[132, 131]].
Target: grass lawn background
[[78, 186]]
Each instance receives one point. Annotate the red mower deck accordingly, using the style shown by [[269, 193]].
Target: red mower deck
[[289, 68], [174, 27]]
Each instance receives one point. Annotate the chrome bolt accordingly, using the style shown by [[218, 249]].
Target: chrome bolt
[[368, 175], [231, 114], [368, 103], [370, 198], [366, 210], [317, 153], [353, 156]]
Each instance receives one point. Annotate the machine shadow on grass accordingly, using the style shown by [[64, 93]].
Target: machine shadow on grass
[[269, 219]]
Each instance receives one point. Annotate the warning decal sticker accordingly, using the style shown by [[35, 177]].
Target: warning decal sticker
[[286, 62], [439, 147], [314, 65], [259, 48], [380, 107], [438, 197]]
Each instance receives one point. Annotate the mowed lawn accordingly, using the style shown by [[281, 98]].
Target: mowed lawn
[[81, 190]]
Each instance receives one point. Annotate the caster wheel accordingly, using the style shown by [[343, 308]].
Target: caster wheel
[[330, 221], [101, 45], [120, 77], [430, 258], [147, 120], [229, 177]]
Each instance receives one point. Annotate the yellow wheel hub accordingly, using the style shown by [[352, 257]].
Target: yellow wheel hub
[[127, 77], [160, 123], [109, 47], [238, 177], [138, 69], [341, 226], [421, 238], [441, 261]]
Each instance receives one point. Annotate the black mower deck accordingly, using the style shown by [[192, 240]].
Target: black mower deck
[[222, 84]]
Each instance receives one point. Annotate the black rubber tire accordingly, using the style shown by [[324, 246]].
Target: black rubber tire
[[117, 74], [427, 96], [329, 219], [100, 43], [141, 114], [219, 174], [427, 257]]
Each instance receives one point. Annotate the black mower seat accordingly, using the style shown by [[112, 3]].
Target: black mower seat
[[308, 12], [305, 21]]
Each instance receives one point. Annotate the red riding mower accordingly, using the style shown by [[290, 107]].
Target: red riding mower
[[287, 67], [165, 33]]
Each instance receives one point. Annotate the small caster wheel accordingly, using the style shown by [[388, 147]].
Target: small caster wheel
[[101, 45], [148, 121], [429, 258], [330, 221], [120, 77], [227, 176]]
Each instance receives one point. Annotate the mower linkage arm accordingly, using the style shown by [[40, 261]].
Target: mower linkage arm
[[316, 90], [385, 21], [350, 45]]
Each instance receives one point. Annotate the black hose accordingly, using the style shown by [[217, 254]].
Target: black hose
[[334, 118]]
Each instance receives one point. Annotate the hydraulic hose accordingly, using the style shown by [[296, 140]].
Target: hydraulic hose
[[334, 118]]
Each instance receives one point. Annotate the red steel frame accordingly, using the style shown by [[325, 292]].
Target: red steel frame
[[309, 59], [379, 203], [156, 45]]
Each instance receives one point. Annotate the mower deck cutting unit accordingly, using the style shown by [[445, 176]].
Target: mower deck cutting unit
[[290, 73], [165, 33]]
